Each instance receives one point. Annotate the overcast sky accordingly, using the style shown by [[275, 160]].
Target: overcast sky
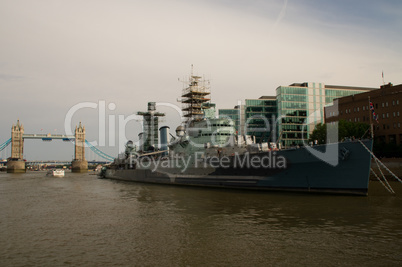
[[55, 54]]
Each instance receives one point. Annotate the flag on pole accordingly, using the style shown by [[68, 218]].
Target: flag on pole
[[375, 117]]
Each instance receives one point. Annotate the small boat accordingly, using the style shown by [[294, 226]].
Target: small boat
[[56, 173]]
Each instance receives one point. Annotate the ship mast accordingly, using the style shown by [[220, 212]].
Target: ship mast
[[194, 95]]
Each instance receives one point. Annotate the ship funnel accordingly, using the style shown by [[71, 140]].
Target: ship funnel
[[164, 137]]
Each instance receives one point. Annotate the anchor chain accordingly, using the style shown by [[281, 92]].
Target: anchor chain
[[389, 189], [379, 161]]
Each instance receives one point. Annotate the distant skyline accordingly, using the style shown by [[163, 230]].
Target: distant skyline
[[56, 54]]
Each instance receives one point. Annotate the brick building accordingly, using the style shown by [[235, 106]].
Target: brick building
[[387, 103]]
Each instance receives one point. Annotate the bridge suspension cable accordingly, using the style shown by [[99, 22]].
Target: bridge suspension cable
[[5, 144], [99, 152]]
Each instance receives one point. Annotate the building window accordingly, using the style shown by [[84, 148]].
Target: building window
[[397, 102], [386, 104], [357, 109], [346, 111], [387, 115], [363, 107], [393, 102], [394, 113], [394, 125], [382, 104], [397, 113], [383, 115], [399, 125]]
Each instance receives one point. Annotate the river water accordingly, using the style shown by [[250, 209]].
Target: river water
[[80, 220]]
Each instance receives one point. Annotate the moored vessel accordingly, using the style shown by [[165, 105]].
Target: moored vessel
[[207, 151]]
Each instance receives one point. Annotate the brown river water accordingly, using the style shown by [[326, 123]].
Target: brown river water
[[79, 220]]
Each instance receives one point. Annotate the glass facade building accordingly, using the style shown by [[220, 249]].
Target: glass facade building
[[260, 118], [255, 118], [301, 107], [234, 114], [297, 109]]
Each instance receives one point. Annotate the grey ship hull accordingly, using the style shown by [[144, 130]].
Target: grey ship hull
[[304, 172]]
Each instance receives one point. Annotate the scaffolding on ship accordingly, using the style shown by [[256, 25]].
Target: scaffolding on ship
[[194, 98]]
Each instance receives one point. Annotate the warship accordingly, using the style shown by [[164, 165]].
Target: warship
[[208, 151]]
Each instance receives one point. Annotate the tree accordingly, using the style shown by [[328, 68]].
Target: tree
[[346, 129], [319, 134]]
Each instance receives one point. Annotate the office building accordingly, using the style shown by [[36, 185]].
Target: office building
[[256, 117], [301, 107], [260, 118], [298, 108], [387, 105]]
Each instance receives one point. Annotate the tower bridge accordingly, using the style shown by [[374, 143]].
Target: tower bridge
[[16, 163]]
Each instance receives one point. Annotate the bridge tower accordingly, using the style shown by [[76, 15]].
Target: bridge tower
[[16, 163], [79, 164]]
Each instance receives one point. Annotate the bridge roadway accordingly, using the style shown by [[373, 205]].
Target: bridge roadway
[[33, 162], [49, 137], [51, 163]]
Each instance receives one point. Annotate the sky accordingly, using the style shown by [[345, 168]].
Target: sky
[[57, 55]]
